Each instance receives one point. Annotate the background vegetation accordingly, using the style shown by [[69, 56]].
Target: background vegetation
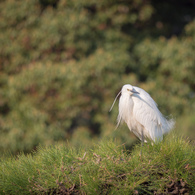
[[62, 62]]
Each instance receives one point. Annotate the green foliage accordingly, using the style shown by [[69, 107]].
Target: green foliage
[[174, 81], [106, 168], [62, 62]]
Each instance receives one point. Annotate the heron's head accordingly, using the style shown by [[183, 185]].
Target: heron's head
[[128, 89]]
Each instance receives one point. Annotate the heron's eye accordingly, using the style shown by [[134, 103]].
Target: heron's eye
[[128, 89]]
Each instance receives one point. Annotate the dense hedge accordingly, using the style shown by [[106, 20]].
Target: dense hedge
[[62, 63]]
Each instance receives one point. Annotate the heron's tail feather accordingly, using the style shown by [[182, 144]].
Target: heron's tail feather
[[170, 123]]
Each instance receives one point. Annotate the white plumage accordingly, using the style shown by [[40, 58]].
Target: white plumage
[[141, 114]]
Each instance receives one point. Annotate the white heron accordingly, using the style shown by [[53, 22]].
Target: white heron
[[141, 114]]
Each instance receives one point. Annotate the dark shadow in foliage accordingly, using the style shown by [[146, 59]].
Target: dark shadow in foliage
[[46, 3], [178, 14]]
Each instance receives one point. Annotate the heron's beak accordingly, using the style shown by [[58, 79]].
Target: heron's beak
[[134, 91]]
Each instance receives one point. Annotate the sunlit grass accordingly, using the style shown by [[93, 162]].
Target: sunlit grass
[[106, 168]]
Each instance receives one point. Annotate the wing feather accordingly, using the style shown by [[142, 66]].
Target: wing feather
[[146, 112]]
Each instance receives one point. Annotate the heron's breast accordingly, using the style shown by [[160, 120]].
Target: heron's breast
[[126, 108]]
